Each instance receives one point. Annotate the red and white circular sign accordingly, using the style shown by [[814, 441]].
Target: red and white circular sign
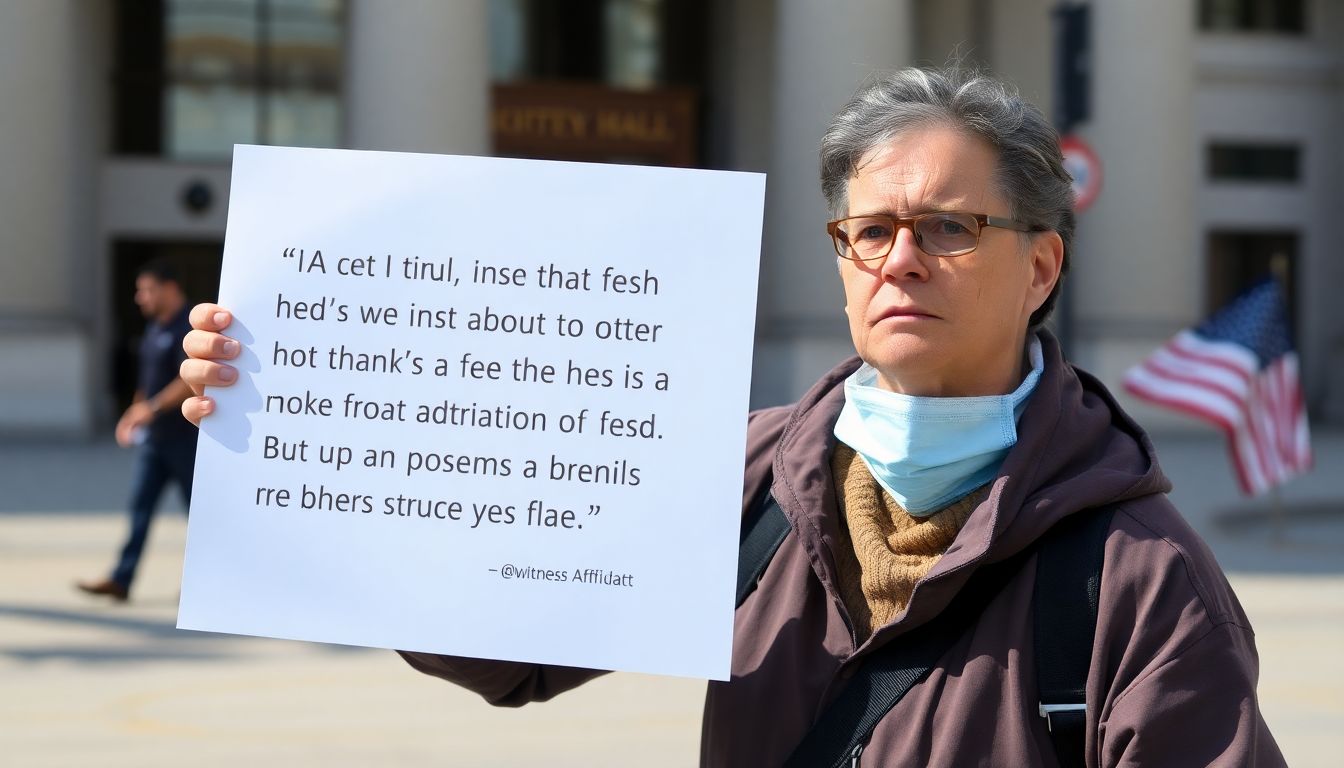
[[1085, 168]]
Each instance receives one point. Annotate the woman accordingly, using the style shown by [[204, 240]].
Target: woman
[[954, 440]]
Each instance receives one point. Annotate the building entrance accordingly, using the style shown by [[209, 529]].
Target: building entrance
[[197, 266]]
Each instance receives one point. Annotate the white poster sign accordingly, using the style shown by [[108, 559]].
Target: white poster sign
[[487, 407]]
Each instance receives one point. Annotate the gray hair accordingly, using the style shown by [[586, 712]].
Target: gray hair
[[1030, 173]]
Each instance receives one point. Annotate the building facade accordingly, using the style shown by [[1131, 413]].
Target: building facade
[[1215, 121]]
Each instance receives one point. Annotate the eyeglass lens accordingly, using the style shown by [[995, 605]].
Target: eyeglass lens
[[937, 234]]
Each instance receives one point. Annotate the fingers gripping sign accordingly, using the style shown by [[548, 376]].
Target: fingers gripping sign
[[205, 346]]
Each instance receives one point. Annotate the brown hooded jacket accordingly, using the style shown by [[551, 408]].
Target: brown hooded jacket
[[1174, 665]]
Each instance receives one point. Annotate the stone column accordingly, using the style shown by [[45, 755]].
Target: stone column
[[36, 156], [51, 132], [1138, 262], [823, 51], [418, 76]]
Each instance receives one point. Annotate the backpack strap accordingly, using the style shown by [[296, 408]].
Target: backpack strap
[[1064, 600], [762, 533], [838, 736], [1067, 589]]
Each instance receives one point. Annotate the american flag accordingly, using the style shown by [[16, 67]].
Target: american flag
[[1238, 370]]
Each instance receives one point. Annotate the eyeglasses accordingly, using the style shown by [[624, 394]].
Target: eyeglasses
[[944, 233]]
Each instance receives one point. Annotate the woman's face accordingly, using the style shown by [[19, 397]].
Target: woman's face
[[944, 326]]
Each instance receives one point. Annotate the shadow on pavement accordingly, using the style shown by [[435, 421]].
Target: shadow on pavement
[[101, 654], [150, 639], [146, 639], [149, 627], [1302, 534], [1257, 518], [67, 476]]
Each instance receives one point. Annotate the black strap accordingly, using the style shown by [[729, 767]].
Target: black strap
[[1068, 588], [762, 533], [888, 674]]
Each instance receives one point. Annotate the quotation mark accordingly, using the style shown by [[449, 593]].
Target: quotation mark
[[593, 509], [290, 253]]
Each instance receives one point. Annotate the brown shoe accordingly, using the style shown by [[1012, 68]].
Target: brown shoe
[[104, 587]]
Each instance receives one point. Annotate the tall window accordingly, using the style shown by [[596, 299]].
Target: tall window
[[1254, 162], [1239, 259], [197, 76], [599, 80], [1286, 16], [633, 44]]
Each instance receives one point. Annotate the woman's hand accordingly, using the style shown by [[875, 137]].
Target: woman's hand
[[205, 345]]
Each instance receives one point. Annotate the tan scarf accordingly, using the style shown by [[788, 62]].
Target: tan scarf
[[889, 549]]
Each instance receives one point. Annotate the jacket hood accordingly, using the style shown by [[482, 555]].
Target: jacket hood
[[1101, 458]]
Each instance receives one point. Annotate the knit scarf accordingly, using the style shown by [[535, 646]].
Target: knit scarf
[[884, 549]]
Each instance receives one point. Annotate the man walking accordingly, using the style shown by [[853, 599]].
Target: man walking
[[153, 422]]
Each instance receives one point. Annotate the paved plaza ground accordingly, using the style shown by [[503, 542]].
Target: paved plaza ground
[[89, 683]]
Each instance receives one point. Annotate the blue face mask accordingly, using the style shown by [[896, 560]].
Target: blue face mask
[[930, 451]]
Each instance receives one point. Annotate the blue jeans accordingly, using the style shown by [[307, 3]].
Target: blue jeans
[[156, 464]]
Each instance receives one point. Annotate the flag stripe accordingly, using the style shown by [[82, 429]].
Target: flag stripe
[[1260, 433], [1238, 371], [1235, 360], [1209, 377], [1248, 469], [1194, 399]]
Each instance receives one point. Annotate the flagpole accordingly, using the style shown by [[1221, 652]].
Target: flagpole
[[1278, 266]]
